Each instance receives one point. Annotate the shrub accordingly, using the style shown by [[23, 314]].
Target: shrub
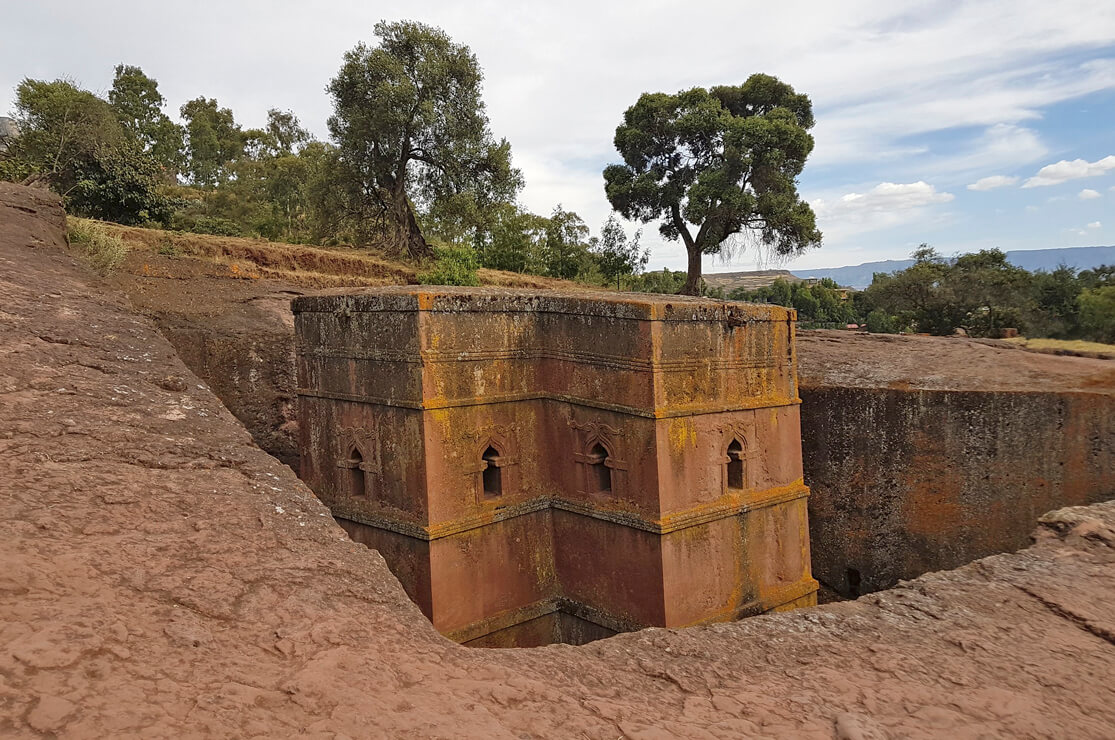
[[168, 248], [455, 266], [1097, 314], [880, 322], [103, 251]]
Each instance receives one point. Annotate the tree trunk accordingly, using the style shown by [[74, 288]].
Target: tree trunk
[[408, 237], [693, 279]]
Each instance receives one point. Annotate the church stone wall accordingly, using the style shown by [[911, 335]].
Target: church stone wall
[[560, 467]]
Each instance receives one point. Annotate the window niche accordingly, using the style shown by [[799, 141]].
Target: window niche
[[358, 468], [599, 473], [492, 475], [735, 465], [493, 470], [357, 479]]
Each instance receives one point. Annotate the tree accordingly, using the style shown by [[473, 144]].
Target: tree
[[1097, 313], [61, 126], [1056, 312], [139, 107], [213, 141], [411, 128], [565, 248], [918, 295], [514, 241], [616, 254], [285, 132], [990, 292], [119, 184], [724, 161]]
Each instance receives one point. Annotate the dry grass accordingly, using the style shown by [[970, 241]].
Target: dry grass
[[308, 266], [1075, 347], [96, 243]]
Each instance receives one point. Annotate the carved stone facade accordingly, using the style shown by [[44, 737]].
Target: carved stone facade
[[560, 467]]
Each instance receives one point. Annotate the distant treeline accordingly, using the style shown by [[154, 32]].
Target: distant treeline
[[981, 294]]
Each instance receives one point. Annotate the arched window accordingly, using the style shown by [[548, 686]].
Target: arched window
[[735, 464], [599, 474], [357, 485], [493, 476]]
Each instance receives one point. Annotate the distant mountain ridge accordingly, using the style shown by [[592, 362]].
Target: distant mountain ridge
[[1081, 258]]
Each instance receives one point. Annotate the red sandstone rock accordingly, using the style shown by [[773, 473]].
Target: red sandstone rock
[[563, 466], [166, 578]]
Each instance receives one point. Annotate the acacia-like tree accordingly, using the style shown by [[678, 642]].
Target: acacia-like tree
[[411, 128], [711, 164]]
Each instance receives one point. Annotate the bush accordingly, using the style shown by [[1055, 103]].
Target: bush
[[120, 185], [880, 322], [167, 248], [1097, 314], [455, 266], [103, 251]]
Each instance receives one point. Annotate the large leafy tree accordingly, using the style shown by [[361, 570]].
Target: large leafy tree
[[213, 141], [72, 140], [411, 129], [713, 164], [61, 126], [139, 107]]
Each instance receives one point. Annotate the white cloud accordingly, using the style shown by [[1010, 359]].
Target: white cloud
[[1065, 170], [1088, 194], [992, 182], [886, 196], [1086, 231], [883, 206]]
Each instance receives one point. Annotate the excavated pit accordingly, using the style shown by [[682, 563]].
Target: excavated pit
[[922, 453], [165, 578]]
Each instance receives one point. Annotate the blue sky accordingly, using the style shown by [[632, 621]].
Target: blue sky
[[917, 103]]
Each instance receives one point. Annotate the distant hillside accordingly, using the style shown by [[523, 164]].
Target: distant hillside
[[1082, 258]]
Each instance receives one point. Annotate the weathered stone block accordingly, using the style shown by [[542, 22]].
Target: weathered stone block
[[560, 466]]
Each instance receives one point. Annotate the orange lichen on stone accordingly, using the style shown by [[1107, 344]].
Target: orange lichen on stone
[[556, 467]]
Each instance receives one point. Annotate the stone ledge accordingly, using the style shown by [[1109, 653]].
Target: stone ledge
[[657, 413], [631, 306], [685, 519]]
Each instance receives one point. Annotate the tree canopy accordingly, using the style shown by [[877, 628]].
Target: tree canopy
[[411, 128], [713, 164], [213, 140], [139, 107], [617, 254]]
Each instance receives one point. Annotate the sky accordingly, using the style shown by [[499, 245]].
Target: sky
[[966, 125]]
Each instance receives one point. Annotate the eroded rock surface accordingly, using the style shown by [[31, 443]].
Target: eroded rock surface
[[163, 577], [925, 453]]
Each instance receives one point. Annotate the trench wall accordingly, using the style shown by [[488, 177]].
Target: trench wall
[[252, 374], [903, 481], [910, 481]]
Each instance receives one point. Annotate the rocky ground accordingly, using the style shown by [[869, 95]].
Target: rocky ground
[[915, 362], [163, 577]]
